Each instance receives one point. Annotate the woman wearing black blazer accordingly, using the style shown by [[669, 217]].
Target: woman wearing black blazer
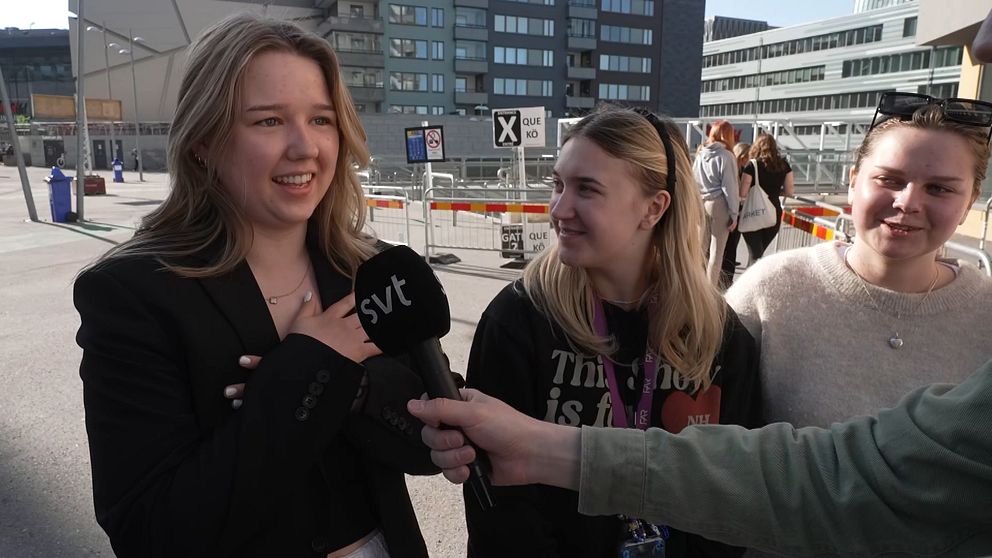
[[253, 253]]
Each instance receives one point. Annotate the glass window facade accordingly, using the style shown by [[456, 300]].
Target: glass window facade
[[522, 87], [524, 25], [470, 50], [407, 81], [861, 35], [408, 15], [355, 76], [615, 63], [624, 92], [470, 17], [797, 75], [629, 35], [862, 99], [408, 48], [523, 56], [903, 62], [578, 27], [636, 7]]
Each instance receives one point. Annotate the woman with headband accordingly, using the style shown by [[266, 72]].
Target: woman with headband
[[616, 325]]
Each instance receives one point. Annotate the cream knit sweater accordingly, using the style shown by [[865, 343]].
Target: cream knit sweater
[[825, 354]]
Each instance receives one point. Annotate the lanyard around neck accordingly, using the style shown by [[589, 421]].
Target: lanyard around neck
[[642, 415]]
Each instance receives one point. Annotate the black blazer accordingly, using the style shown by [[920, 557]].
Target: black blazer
[[294, 472]]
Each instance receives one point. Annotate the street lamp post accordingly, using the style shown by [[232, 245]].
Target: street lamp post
[[137, 127], [134, 87], [80, 116], [110, 94]]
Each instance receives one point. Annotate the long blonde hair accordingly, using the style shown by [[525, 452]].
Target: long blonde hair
[[687, 314], [198, 213]]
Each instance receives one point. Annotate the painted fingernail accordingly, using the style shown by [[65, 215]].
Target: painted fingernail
[[308, 296], [230, 391], [236, 404], [244, 360]]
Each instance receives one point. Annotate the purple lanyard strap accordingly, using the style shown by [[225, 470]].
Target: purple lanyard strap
[[642, 416]]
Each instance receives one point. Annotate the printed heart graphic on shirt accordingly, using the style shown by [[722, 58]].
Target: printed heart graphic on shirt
[[681, 409]]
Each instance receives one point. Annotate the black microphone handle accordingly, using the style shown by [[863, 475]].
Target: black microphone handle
[[437, 378]]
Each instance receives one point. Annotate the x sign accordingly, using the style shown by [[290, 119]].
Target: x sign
[[506, 128]]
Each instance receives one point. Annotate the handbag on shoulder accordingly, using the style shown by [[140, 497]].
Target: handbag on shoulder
[[758, 211]]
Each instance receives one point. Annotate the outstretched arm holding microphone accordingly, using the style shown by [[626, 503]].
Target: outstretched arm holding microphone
[[912, 481]]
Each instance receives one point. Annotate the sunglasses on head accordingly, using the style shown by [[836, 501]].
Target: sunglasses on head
[[963, 111]]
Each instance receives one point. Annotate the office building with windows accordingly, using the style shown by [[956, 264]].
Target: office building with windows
[[35, 61], [433, 57], [471, 56], [719, 27], [830, 70]]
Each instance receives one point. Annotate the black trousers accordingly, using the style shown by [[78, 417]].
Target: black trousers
[[757, 242]]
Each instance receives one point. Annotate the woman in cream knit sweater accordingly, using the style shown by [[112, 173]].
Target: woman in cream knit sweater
[[886, 303]]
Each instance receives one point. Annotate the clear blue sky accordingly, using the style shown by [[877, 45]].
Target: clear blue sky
[[780, 13], [47, 14]]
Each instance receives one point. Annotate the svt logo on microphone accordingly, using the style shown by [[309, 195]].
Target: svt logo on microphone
[[385, 305]]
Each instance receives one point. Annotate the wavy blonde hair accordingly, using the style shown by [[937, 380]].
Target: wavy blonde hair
[[198, 212], [686, 322]]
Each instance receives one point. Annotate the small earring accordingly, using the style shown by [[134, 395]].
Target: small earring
[[199, 160]]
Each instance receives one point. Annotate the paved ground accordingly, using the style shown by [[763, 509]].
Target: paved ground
[[45, 491]]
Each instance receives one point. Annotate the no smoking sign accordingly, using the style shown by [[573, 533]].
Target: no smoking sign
[[424, 144]]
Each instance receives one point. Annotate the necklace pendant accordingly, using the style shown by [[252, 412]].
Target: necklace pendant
[[895, 341], [275, 300]]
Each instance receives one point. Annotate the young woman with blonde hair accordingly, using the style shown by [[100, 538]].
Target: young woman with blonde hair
[[615, 325], [252, 253], [716, 173]]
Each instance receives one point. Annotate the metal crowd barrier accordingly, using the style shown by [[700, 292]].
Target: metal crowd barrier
[[388, 213], [511, 221]]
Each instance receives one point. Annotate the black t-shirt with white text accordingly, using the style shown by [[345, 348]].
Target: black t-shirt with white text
[[520, 357]]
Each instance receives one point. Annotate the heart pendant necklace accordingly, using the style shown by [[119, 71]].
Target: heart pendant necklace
[[896, 342]]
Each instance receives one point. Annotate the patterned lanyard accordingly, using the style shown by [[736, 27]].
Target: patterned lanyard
[[642, 416]]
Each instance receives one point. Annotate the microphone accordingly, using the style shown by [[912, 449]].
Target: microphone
[[403, 309]]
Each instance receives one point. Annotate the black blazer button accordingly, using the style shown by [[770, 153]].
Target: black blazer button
[[401, 423], [302, 414], [316, 388], [387, 413], [309, 401], [323, 376]]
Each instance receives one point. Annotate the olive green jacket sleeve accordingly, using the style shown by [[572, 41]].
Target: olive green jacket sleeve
[[915, 480]]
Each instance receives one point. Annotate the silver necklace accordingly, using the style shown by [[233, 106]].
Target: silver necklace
[[275, 299], [896, 341]]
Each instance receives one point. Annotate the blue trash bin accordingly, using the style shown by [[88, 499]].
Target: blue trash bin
[[59, 195], [118, 170]]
